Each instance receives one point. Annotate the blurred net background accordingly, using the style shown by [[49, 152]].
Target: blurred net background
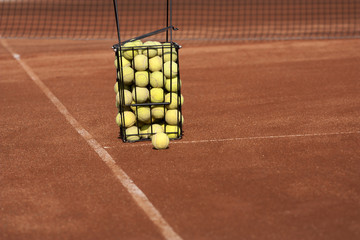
[[210, 20]]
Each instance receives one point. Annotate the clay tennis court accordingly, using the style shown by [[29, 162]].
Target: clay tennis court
[[270, 147]]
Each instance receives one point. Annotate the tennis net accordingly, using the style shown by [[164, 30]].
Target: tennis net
[[205, 20]]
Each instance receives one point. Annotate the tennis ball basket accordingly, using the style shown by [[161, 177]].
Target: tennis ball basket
[[148, 85]]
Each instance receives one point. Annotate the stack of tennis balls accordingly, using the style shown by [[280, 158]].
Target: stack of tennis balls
[[149, 73]]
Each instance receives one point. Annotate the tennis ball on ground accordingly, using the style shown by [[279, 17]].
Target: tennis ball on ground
[[160, 141], [127, 98], [143, 113], [173, 131], [157, 95], [130, 50], [174, 100], [167, 56], [170, 69], [125, 62], [155, 128], [128, 117], [173, 117], [158, 112], [172, 84], [157, 79], [132, 134], [140, 94], [150, 49], [140, 63], [128, 75], [155, 63], [141, 78]]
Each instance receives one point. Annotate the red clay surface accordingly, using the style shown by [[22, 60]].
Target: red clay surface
[[230, 177]]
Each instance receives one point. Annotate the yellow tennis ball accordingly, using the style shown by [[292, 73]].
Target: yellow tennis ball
[[155, 128], [157, 95], [174, 117], [157, 79], [128, 117], [133, 108], [151, 49], [167, 56], [174, 100], [132, 134], [155, 63], [144, 131], [158, 112], [127, 98], [164, 48], [116, 87], [143, 113], [172, 84], [138, 42], [125, 62], [140, 62], [160, 141], [141, 78], [128, 75], [173, 131], [170, 69], [140, 94], [130, 50]]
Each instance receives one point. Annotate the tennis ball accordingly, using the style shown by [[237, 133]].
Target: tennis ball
[[125, 62], [140, 62], [144, 131], [170, 69], [173, 131], [167, 56], [155, 128], [130, 50], [158, 112], [133, 107], [172, 84], [141, 78], [127, 98], [160, 141], [150, 49], [157, 79], [157, 95], [132, 134], [155, 63], [138, 43], [128, 117], [174, 100], [143, 113], [173, 117], [164, 48], [116, 87], [127, 74], [140, 94]]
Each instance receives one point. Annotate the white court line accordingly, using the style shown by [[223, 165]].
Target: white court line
[[248, 138], [139, 197], [268, 137]]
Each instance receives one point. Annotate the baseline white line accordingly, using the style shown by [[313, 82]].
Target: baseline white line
[[140, 198]]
